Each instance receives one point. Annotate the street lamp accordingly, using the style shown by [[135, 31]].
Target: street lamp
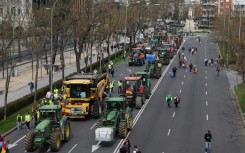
[[51, 51], [126, 16]]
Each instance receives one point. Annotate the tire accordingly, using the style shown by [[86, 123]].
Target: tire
[[147, 93], [55, 141], [122, 130], [97, 110], [138, 101], [29, 142], [129, 64], [130, 122], [67, 131]]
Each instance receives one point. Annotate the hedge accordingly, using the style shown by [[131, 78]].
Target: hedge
[[26, 100]]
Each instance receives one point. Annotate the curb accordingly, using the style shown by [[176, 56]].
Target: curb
[[238, 106]]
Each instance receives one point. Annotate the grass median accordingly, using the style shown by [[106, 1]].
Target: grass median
[[240, 93], [11, 121]]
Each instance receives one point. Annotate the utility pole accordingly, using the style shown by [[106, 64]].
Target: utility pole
[[13, 62]]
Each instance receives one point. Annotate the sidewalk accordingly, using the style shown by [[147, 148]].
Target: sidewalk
[[19, 85]]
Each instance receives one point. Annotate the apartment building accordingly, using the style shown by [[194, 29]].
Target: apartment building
[[18, 10], [208, 12]]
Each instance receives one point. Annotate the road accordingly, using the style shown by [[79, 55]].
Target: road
[[206, 104]]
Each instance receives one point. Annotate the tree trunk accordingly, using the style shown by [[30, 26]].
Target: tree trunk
[[19, 50], [108, 48], [91, 55], [77, 56], [36, 75], [45, 56], [62, 56]]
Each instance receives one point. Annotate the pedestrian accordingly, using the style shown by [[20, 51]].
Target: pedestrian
[[191, 66], [206, 62], [141, 89], [109, 68], [119, 85], [179, 54], [169, 99], [180, 63], [174, 70], [112, 71], [212, 61], [189, 50], [123, 149], [194, 68], [208, 138], [176, 101], [28, 120], [192, 51], [218, 70], [136, 150], [128, 145], [31, 85], [19, 122], [1, 138], [111, 87]]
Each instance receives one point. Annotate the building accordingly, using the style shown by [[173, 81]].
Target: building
[[208, 12], [239, 5], [22, 9]]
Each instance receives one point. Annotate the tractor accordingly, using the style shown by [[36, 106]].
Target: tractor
[[146, 81], [154, 67], [131, 90], [52, 128], [163, 56], [116, 122], [137, 57]]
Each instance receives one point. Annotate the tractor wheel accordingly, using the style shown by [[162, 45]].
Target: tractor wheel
[[55, 141], [129, 64], [122, 131], [147, 95], [130, 122], [29, 142], [67, 132], [138, 101], [97, 110]]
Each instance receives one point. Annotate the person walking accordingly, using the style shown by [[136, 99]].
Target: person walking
[[112, 71], [109, 68], [119, 85], [208, 138], [218, 70], [169, 98], [174, 70], [206, 62], [123, 149], [19, 122], [176, 101], [136, 150], [28, 120], [111, 87], [31, 85], [191, 66], [128, 145]]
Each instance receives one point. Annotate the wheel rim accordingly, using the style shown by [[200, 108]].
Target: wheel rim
[[67, 131], [58, 142]]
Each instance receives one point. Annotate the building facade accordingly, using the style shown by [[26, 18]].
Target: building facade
[[18, 10], [208, 12]]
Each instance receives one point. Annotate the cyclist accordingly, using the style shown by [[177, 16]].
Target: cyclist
[[169, 99], [208, 137]]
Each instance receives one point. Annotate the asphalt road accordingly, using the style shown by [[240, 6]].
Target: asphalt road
[[206, 104]]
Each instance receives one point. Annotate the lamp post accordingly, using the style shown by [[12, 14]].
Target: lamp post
[[126, 16], [51, 51]]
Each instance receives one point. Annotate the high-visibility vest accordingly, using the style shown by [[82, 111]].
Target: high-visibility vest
[[50, 102], [28, 118], [19, 118], [109, 66], [56, 91], [56, 95], [111, 85], [38, 115], [119, 83]]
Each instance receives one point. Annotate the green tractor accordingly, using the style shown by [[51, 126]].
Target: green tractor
[[116, 122], [163, 56], [146, 81], [52, 128], [131, 90], [154, 67], [137, 57]]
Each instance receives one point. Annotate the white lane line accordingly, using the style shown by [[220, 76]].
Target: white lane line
[[121, 74], [72, 148], [93, 126], [206, 103], [206, 77], [169, 131], [182, 83], [180, 91], [206, 92], [186, 70], [207, 117], [173, 114], [206, 71], [146, 103], [48, 150], [184, 76], [206, 84], [20, 139]]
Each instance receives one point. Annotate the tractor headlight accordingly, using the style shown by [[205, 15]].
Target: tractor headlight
[[42, 130]]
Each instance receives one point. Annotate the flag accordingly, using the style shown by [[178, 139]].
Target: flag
[[4, 148]]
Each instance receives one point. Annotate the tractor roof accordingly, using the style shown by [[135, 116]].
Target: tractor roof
[[50, 107], [141, 73], [85, 78], [140, 45], [132, 78], [136, 48], [77, 81], [116, 99]]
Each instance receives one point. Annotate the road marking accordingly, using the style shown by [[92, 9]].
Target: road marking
[[48, 150], [186, 70], [173, 114], [146, 103], [207, 117], [206, 77], [12, 145], [121, 74], [169, 131], [20, 139], [206, 103], [180, 91], [72, 148], [93, 126], [206, 92], [206, 84], [184, 76], [182, 83], [206, 71]]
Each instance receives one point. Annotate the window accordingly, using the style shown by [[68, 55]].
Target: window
[[227, 6]]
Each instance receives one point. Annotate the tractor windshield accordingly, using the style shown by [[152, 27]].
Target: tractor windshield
[[48, 115], [130, 84], [113, 105], [79, 90]]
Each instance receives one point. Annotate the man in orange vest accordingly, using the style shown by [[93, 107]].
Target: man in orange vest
[[141, 89]]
